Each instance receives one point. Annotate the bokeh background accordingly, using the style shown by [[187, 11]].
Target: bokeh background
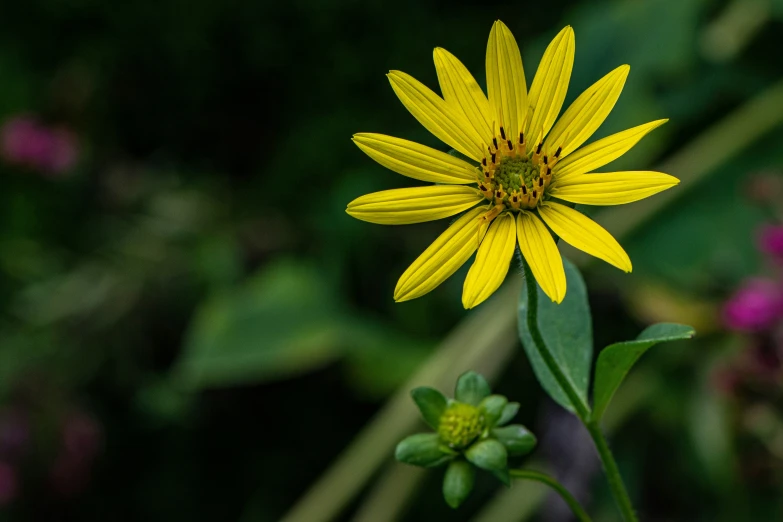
[[191, 327]]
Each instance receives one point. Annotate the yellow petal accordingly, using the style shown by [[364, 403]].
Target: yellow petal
[[587, 113], [413, 205], [491, 265], [575, 228], [414, 160], [550, 85], [436, 115], [462, 93], [443, 257], [506, 82], [542, 255], [611, 188], [603, 151]]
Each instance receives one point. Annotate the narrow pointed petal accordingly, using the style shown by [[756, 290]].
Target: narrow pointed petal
[[541, 253], [414, 160], [413, 205], [443, 257], [587, 113], [580, 231], [506, 82], [550, 85], [436, 115], [462, 93], [611, 188], [492, 261], [603, 151]]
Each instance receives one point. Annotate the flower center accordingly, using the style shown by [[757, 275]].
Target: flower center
[[460, 424], [512, 177]]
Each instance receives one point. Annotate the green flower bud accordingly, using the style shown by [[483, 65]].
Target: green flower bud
[[488, 454], [458, 482], [471, 388], [509, 412], [431, 404], [516, 438], [492, 408], [423, 449], [460, 424]]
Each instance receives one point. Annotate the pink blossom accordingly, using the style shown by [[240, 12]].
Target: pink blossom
[[756, 306], [26, 142], [771, 240]]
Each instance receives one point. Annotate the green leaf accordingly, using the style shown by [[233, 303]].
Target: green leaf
[[492, 407], [458, 482], [423, 449], [281, 322], [431, 404], [472, 388], [509, 412], [516, 438], [568, 333], [616, 360], [488, 454]]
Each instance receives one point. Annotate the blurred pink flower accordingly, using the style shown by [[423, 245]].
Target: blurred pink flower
[[25, 141], [771, 240], [8, 485], [756, 306], [14, 433], [82, 436]]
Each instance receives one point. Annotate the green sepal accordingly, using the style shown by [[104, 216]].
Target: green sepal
[[458, 482], [503, 476], [516, 438], [492, 409], [488, 454], [423, 449], [509, 412], [431, 403], [472, 388]]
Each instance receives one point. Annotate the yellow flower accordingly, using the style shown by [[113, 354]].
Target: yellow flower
[[525, 163]]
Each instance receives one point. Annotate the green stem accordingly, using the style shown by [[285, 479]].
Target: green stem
[[569, 499], [582, 409], [612, 472]]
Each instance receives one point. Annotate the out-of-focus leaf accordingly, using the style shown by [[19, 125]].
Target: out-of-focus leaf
[[616, 360], [281, 322], [431, 403], [568, 333]]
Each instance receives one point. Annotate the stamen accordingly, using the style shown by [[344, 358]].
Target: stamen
[[495, 142], [484, 161], [538, 149], [502, 133], [540, 182], [521, 137], [545, 160], [493, 157], [559, 150], [510, 146]]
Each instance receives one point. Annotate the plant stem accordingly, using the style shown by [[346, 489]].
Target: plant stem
[[569, 499], [612, 472], [582, 409]]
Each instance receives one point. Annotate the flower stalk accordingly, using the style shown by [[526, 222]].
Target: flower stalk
[[568, 498], [582, 409]]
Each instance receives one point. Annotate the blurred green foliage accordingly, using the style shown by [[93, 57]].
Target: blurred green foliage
[[195, 291]]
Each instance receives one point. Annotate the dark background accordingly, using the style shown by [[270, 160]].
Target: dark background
[[191, 327]]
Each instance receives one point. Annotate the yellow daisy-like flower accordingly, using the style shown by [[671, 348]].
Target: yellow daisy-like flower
[[525, 163]]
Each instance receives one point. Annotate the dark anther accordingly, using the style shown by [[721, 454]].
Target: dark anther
[[540, 182], [538, 149], [497, 194], [482, 188], [484, 161], [559, 150], [524, 190], [493, 157], [545, 160], [495, 142], [515, 199], [502, 133], [521, 137], [548, 171], [510, 146], [535, 194]]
